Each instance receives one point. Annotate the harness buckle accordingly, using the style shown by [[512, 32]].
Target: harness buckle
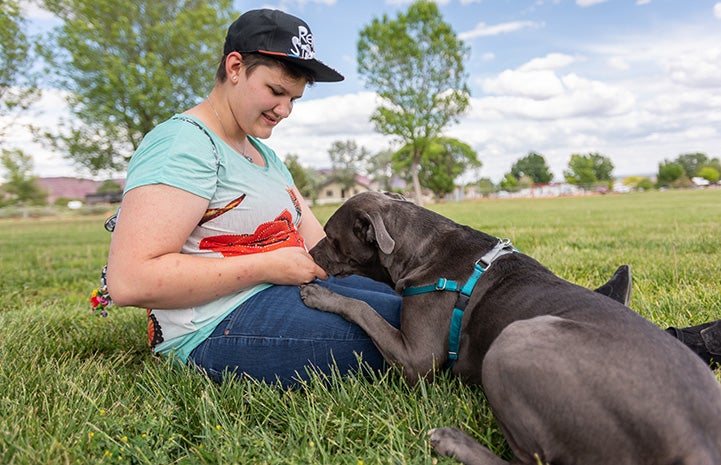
[[441, 284]]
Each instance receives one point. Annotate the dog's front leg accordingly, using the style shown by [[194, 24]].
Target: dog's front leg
[[390, 342], [452, 442]]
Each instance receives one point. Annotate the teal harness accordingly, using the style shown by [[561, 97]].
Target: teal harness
[[503, 247]]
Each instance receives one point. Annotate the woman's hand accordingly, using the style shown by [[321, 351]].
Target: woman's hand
[[292, 266]]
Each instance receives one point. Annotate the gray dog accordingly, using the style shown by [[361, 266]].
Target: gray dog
[[572, 376]]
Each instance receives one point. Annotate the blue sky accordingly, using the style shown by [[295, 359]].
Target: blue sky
[[638, 81]]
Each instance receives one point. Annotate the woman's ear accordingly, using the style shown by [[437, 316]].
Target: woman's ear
[[234, 66]]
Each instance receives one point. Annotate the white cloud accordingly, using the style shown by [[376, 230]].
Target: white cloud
[[45, 114], [31, 10], [717, 10], [585, 3], [545, 96], [618, 64], [316, 124], [485, 30], [550, 61], [700, 69], [535, 85]]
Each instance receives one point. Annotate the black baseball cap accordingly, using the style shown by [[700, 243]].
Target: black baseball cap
[[276, 33]]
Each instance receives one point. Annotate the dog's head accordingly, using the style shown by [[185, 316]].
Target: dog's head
[[359, 237]]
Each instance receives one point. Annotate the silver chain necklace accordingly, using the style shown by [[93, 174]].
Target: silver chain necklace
[[242, 151]]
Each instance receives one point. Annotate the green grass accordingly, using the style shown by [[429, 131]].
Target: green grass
[[80, 389]]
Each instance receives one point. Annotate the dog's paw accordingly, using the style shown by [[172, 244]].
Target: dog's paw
[[318, 297], [444, 440], [452, 442]]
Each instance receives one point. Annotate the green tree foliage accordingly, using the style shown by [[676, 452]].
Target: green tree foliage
[[708, 173], [668, 173], [301, 177], [534, 166], [638, 183], [347, 160], [109, 187], [443, 161], [380, 169], [588, 170], [127, 66], [695, 163], [17, 81], [22, 186], [415, 64], [714, 163], [486, 187], [692, 163], [509, 183]]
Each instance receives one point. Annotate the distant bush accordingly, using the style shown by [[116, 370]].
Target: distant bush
[[15, 211]]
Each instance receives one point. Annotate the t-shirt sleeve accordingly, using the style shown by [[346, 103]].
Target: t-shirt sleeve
[[177, 154]]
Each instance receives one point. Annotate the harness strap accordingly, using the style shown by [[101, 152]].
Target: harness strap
[[501, 248], [443, 284]]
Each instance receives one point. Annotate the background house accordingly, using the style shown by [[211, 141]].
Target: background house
[[331, 191]]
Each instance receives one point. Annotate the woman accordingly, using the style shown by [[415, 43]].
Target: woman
[[213, 234]]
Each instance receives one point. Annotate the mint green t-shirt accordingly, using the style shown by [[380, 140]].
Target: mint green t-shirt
[[252, 209]]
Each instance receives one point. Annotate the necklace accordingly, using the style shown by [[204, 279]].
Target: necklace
[[222, 126]]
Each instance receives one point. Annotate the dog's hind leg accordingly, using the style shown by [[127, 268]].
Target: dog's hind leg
[[451, 442], [619, 286]]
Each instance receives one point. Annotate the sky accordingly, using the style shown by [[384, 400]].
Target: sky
[[638, 81]]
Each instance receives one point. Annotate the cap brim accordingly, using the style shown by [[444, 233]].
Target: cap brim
[[322, 72]]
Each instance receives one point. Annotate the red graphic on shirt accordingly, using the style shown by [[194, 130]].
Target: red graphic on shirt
[[296, 202], [212, 213], [155, 334], [268, 236]]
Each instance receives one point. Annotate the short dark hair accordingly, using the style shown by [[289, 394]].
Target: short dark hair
[[253, 60]]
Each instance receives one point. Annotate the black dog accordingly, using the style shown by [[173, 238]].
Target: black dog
[[572, 376]]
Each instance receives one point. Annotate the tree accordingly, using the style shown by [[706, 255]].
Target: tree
[[346, 159], [443, 161], [534, 166], [109, 187], [486, 187], [638, 183], [668, 173], [708, 173], [415, 65], [714, 163], [21, 186], [380, 169], [126, 73], [509, 183], [303, 181], [586, 170], [17, 80], [692, 163]]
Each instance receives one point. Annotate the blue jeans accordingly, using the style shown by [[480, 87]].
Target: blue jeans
[[273, 336]]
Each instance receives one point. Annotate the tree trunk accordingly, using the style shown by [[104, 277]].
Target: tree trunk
[[416, 183]]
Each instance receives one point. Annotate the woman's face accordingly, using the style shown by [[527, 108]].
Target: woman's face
[[261, 100]]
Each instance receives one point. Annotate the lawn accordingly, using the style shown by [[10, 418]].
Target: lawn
[[77, 388]]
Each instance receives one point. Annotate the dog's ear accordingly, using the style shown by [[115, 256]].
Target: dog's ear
[[369, 227]]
